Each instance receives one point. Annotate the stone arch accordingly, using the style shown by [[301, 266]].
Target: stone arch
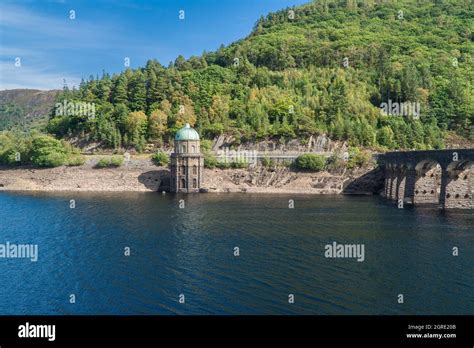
[[183, 183], [401, 182], [427, 182], [459, 185]]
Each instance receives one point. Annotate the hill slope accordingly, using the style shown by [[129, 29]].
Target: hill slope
[[23, 108], [325, 67]]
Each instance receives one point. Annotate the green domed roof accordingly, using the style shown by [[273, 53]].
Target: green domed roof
[[187, 133]]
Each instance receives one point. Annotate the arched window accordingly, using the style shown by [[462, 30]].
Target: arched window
[[183, 183], [193, 148], [183, 148], [195, 169], [195, 183], [183, 169]]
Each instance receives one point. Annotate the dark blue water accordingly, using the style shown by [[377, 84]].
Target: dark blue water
[[190, 251]]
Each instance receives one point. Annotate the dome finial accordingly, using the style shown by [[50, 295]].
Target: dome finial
[[187, 125]]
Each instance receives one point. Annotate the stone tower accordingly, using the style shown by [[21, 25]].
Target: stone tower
[[186, 162]]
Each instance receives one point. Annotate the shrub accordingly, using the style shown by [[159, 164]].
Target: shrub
[[239, 164], [38, 149], [48, 152], [11, 156], [267, 162], [310, 161], [206, 145], [116, 161], [358, 158], [223, 165], [214, 129], [110, 162], [53, 159], [76, 160], [210, 161], [7, 149], [336, 162], [160, 158], [103, 163]]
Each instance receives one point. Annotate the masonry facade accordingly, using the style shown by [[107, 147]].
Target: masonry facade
[[186, 162], [440, 177]]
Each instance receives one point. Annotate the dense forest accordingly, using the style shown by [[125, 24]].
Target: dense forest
[[325, 67]]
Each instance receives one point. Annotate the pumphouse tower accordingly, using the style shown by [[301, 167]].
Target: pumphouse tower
[[186, 162]]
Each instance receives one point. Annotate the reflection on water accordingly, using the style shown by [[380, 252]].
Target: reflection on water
[[190, 251]]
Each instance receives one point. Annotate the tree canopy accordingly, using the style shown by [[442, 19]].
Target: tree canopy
[[325, 67]]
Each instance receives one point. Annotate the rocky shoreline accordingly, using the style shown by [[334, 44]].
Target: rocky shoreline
[[141, 175]]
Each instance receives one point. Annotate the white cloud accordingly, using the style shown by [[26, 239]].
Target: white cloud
[[17, 20], [37, 39], [50, 46], [28, 77]]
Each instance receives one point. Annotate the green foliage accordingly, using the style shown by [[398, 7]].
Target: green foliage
[[14, 149], [76, 160], [40, 150], [223, 165], [110, 162], [239, 164], [336, 162], [116, 161], [135, 129], [25, 109], [358, 158], [48, 152], [310, 161], [290, 81], [210, 160], [160, 158], [206, 145], [10, 115], [267, 162]]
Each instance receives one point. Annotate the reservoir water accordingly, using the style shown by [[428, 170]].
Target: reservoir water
[[190, 251]]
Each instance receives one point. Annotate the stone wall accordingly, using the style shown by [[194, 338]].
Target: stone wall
[[441, 177], [459, 190]]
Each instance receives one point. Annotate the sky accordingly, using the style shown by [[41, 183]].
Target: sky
[[41, 45]]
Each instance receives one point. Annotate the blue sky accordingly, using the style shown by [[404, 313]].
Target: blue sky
[[53, 47]]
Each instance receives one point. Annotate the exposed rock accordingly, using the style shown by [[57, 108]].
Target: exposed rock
[[142, 175]]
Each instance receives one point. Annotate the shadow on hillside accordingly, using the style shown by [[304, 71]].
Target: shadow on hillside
[[155, 180], [370, 183]]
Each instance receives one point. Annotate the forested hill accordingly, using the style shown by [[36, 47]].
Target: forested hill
[[325, 67], [25, 108]]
